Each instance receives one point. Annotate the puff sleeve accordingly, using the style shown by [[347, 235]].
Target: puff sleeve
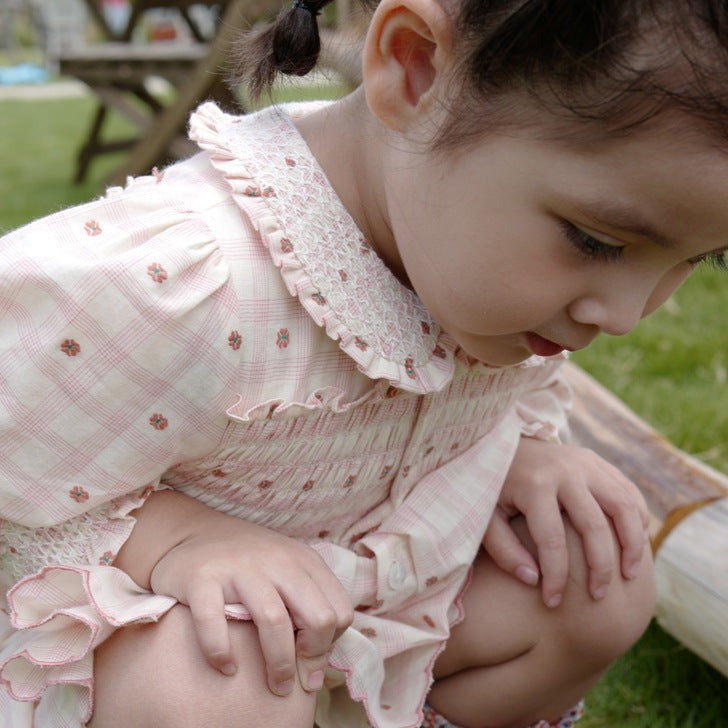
[[115, 319]]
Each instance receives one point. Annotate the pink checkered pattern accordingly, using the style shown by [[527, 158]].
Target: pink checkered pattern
[[192, 331]]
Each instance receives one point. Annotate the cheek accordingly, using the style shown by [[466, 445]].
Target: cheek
[[667, 286]]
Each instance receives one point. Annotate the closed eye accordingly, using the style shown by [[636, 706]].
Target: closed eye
[[589, 246]]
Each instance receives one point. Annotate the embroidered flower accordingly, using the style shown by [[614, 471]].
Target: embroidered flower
[[343, 275], [146, 492], [365, 246], [265, 484], [283, 338], [219, 473], [409, 367], [307, 485], [252, 191], [368, 632], [79, 494], [405, 471], [290, 162], [92, 228], [429, 621], [158, 422], [324, 534], [107, 559], [455, 446], [286, 245], [386, 470], [431, 580], [157, 273], [439, 352], [318, 298], [70, 347], [268, 192], [425, 327], [360, 343], [350, 481], [235, 340]]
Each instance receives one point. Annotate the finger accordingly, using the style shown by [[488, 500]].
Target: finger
[[628, 511], [546, 526], [275, 632], [316, 620], [598, 542], [334, 591], [207, 607], [506, 550]]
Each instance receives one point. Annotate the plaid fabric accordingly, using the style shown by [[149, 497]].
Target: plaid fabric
[[184, 332]]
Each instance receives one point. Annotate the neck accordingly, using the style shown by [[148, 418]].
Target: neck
[[350, 144]]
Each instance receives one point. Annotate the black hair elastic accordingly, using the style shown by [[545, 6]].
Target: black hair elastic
[[310, 7]]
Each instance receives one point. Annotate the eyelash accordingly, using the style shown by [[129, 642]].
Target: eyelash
[[589, 246], [718, 260]]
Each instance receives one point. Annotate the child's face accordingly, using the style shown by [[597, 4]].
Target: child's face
[[518, 245]]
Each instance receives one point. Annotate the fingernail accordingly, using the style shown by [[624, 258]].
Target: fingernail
[[600, 592], [633, 569], [316, 680], [527, 575], [229, 669], [554, 601], [285, 687]]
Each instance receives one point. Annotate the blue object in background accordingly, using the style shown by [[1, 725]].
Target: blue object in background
[[23, 73]]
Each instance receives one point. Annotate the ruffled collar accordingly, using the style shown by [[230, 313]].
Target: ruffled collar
[[321, 253]]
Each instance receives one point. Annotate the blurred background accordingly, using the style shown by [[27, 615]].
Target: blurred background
[[91, 91]]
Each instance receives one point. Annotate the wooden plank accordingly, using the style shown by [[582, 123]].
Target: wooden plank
[[692, 583]]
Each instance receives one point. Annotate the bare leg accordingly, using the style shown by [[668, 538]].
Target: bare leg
[[513, 661], [154, 676]]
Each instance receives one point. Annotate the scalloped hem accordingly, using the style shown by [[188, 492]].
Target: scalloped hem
[[60, 616]]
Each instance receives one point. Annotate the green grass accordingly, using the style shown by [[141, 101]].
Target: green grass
[[672, 371]]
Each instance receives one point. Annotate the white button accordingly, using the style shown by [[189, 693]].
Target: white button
[[397, 575]]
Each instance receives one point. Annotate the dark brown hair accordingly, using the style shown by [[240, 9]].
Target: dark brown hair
[[612, 62]]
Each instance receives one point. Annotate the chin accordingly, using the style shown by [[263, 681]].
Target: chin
[[503, 358]]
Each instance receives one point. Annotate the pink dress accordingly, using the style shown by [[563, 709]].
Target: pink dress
[[223, 328]]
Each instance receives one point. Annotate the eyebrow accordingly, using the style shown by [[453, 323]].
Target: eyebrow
[[624, 218]]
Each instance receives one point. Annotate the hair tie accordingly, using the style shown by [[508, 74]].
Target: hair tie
[[310, 7]]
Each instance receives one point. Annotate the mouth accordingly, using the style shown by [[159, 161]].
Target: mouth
[[544, 347]]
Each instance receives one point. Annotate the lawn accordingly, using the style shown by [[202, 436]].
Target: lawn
[[672, 371]]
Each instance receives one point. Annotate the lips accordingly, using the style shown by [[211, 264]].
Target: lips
[[541, 346]]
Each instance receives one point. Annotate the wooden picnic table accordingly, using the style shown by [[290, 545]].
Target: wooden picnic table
[[119, 70]]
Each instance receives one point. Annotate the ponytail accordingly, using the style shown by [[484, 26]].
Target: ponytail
[[289, 45]]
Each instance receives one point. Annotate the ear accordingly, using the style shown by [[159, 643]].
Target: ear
[[406, 50]]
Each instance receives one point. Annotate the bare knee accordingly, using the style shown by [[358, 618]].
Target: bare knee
[[155, 676], [599, 631]]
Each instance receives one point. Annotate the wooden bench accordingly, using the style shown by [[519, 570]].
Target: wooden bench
[[688, 503]]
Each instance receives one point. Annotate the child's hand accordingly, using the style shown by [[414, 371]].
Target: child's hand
[[546, 479], [283, 583]]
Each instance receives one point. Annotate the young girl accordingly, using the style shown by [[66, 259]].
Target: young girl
[[280, 424]]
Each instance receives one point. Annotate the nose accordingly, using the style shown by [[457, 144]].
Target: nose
[[614, 309]]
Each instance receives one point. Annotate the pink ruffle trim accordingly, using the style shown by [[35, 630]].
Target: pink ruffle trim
[[427, 371], [60, 615]]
